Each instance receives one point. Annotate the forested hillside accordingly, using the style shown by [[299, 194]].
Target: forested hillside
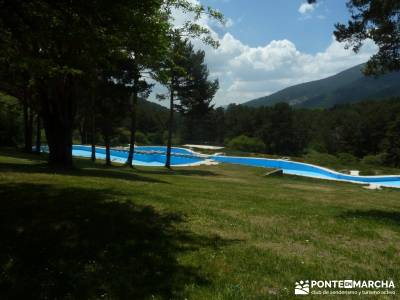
[[349, 86], [369, 130]]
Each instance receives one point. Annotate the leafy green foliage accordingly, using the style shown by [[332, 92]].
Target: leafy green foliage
[[374, 160], [378, 20], [10, 121], [391, 144], [60, 48], [111, 108], [350, 132], [347, 158], [141, 138], [246, 144], [191, 28], [195, 96]]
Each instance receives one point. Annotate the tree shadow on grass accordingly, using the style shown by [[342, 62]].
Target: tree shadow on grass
[[74, 243], [19, 153], [84, 167], [95, 171], [391, 217]]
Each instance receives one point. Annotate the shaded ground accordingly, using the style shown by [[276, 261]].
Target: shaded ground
[[74, 243]]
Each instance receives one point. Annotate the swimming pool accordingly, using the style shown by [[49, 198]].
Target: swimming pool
[[155, 156], [308, 170], [144, 155]]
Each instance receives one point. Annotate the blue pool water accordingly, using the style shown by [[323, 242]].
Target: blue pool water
[[302, 169], [153, 156]]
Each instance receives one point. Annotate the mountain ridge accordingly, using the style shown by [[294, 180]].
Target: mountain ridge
[[348, 86]]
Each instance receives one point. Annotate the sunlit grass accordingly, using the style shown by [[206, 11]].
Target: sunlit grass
[[242, 235]]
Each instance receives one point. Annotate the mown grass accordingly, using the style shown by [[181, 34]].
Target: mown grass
[[208, 232]]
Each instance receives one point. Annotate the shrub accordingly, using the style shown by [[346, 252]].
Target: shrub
[[155, 138], [176, 139], [367, 173], [317, 157], [247, 144], [374, 160], [317, 147], [123, 136], [141, 138], [321, 158], [347, 158]]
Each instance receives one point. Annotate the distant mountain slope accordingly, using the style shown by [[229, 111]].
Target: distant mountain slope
[[348, 86]]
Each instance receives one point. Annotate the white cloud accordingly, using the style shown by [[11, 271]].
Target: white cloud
[[215, 24], [246, 72], [306, 8], [229, 23]]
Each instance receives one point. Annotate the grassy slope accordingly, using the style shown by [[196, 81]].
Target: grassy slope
[[216, 232]]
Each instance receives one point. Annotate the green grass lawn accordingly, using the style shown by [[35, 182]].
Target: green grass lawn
[[208, 232]]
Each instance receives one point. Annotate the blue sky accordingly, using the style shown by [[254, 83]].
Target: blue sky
[[257, 22], [268, 45]]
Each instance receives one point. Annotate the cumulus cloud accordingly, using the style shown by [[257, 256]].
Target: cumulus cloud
[[246, 72], [306, 8]]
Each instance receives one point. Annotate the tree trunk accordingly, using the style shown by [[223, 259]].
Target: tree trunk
[[28, 123], [59, 139], [82, 132], [133, 121], [93, 128], [38, 135], [108, 155], [82, 137], [170, 125], [58, 111]]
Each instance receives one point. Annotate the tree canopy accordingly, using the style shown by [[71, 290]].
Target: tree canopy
[[57, 49], [378, 20]]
